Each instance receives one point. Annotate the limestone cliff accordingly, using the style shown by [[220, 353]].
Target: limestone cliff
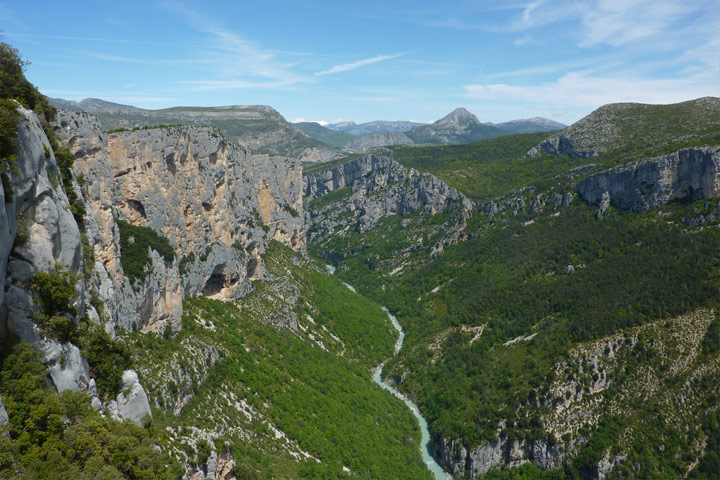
[[375, 186], [691, 173], [41, 233], [216, 204], [217, 207]]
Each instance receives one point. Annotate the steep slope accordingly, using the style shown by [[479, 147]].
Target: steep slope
[[325, 135], [628, 128], [92, 105], [291, 404], [459, 126]]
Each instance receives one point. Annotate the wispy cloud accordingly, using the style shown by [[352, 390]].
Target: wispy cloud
[[610, 22], [237, 61], [88, 39], [346, 67], [584, 89], [141, 61]]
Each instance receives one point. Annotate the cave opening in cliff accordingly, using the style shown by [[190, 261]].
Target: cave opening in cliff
[[216, 282]]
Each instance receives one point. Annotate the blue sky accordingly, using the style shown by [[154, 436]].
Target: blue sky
[[392, 60]]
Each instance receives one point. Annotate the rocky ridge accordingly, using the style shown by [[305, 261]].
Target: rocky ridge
[[459, 126], [375, 186], [692, 173], [621, 126]]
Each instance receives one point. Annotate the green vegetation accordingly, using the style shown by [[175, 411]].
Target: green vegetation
[[627, 128], [14, 85], [56, 437], [134, 243], [507, 280], [711, 340], [313, 383], [484, 170], [330, 197], [108, 358], [146, 127], [288, 208], [54, 292]]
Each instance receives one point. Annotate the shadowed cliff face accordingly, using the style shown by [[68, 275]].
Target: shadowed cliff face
[[217, 206]]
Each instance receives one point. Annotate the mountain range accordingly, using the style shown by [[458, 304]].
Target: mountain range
[[262, 129]]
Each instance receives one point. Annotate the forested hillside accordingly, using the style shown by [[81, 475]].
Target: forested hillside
[[549, 333]]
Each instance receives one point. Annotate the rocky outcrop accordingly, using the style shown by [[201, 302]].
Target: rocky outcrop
[[379, 187], [218, 467], [319, 155], [132, 402], [691, 173], [4, 418], [464, 462], [379, 140], [560, 145], [216, 204]]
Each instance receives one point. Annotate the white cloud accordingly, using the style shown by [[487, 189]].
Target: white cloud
[[346, 67], [617, 22], [319, 122], [583, 89]]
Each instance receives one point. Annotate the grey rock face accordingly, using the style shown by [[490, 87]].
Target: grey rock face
[[52, 234], [317, 155], [68, 370], [560, 144], [132, 402], [688, 173], [382, 187], [461, 461], [4, 418]]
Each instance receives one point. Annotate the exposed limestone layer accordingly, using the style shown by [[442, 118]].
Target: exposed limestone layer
[[692, 173], [49, 236], [216, 204], [381, 187]]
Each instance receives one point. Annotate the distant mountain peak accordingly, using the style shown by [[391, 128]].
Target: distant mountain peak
[[460, 117]]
